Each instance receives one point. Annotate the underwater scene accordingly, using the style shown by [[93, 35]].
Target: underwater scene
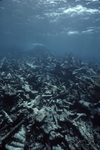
[[49, 74]]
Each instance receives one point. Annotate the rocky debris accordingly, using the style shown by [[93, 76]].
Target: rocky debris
[[18, 141], [8, 118], [48, 102]]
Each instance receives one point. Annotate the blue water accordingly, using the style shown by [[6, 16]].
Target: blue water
[[64, 26]]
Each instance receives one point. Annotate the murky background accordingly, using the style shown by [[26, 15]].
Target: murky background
[[64, 26]]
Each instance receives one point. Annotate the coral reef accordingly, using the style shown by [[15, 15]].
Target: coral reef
[[48, 103]]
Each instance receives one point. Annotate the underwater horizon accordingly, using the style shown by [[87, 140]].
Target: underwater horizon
[[63, 26]]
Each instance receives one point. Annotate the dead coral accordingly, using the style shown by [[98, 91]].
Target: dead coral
[[48, 103]]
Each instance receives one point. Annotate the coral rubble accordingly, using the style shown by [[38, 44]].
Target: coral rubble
[[48, 103]]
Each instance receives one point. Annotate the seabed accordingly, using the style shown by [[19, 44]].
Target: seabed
[[48, 103]]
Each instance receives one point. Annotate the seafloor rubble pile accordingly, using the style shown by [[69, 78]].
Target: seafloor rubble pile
[[48, 103]]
